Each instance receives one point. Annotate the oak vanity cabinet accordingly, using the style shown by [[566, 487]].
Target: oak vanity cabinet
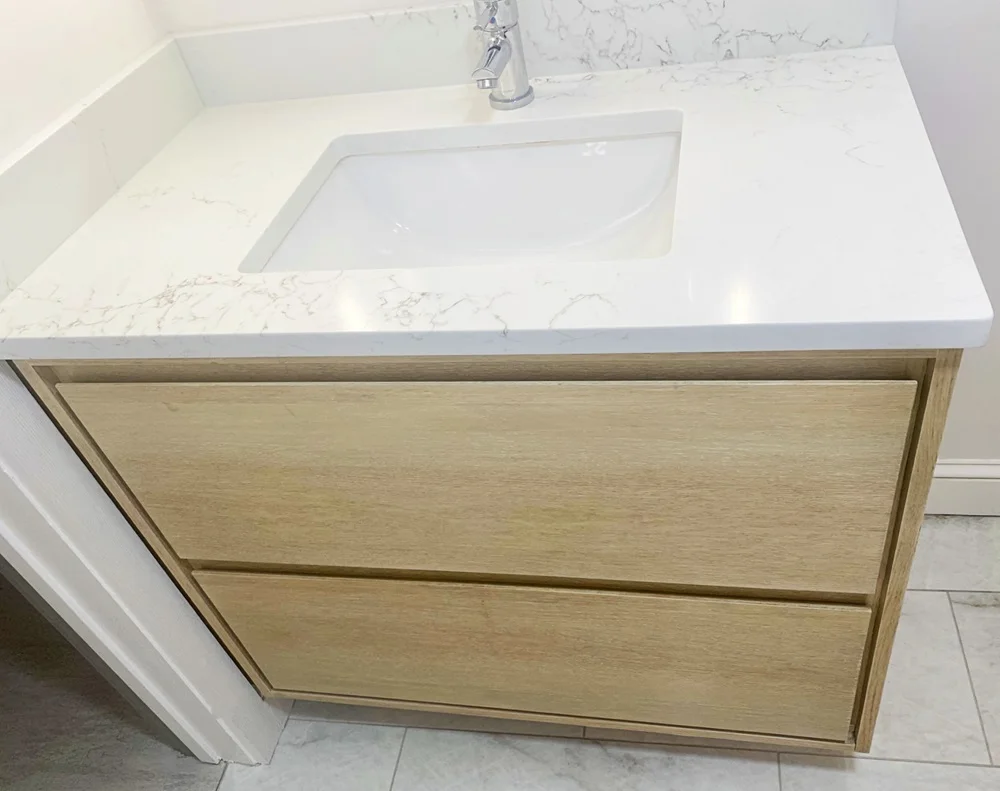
[[709, 545]]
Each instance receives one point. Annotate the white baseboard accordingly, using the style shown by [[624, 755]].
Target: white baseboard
[[968, 487]]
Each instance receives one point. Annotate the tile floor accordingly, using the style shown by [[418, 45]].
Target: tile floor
[[62, 726], [939, 728]]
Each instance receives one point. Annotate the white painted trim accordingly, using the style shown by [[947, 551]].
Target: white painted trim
[[968, 487], [967, 468], [61, 532]]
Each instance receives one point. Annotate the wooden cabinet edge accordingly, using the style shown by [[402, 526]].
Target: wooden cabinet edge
[[745, 365], [179, 571], [929, 422]]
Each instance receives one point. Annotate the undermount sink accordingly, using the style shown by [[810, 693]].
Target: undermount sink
[[537, 191]]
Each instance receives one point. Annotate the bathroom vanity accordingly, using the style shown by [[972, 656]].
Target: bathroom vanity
[[684, 542], [640, 437]]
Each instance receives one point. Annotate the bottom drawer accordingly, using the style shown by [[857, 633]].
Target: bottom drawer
[[769, 667]]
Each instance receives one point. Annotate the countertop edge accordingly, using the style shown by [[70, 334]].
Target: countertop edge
[[732, 339]]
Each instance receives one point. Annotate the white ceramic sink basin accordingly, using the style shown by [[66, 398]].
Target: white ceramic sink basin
[[546, 191]]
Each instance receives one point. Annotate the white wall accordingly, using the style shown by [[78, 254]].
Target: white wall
[[53, 53], [950, 54]]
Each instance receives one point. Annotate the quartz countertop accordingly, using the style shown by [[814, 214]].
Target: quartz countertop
[[811, 214]]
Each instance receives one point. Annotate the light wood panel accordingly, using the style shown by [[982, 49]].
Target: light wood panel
[[779, 668], [756, 485], [916, 483]]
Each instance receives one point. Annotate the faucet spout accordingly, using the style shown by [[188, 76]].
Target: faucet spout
[[501, 69], [492, 63]]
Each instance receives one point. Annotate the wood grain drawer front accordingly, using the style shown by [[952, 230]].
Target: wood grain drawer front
[[766, 485], [772, 667]]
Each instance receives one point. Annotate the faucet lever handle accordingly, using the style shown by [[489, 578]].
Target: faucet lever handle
[[486, 17]]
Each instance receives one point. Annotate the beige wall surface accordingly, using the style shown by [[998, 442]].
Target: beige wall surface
[[54, 53], [949, 52]]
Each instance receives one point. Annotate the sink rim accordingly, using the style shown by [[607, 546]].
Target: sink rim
[[496, 133]]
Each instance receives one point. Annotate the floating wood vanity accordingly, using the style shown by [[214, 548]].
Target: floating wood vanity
[[710, 545]]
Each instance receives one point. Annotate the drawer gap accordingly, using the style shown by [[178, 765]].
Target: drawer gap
[[702, 591]]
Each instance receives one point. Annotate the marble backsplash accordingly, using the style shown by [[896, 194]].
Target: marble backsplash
[[58, 180], [423, 47], [566, 36]]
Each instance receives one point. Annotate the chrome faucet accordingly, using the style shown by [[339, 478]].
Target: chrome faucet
[[501, 69]]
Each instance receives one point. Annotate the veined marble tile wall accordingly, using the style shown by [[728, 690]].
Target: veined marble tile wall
[[425, 47], [566, 36]]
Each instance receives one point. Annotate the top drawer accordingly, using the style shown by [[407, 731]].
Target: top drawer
[[768, 485]]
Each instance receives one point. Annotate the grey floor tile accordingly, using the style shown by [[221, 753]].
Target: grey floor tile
[[64, 750], [323, 755], [452, 761], [958, 553], [373, 715], [928, 711], [109, 777], [62, 726], [978, 618], [814, 773]]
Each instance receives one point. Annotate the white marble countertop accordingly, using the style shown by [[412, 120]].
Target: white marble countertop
[[811, 214]]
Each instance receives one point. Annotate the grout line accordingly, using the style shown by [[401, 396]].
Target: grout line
[[222, 776], [398, 757], [972, 684], [952, 590], [359, 721], [284, 728], [779, 771], [863, 757]]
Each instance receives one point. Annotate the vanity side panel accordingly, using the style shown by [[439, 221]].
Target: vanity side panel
[[926, 439]]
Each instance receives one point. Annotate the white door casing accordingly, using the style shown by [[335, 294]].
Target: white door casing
[[62, 533]]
